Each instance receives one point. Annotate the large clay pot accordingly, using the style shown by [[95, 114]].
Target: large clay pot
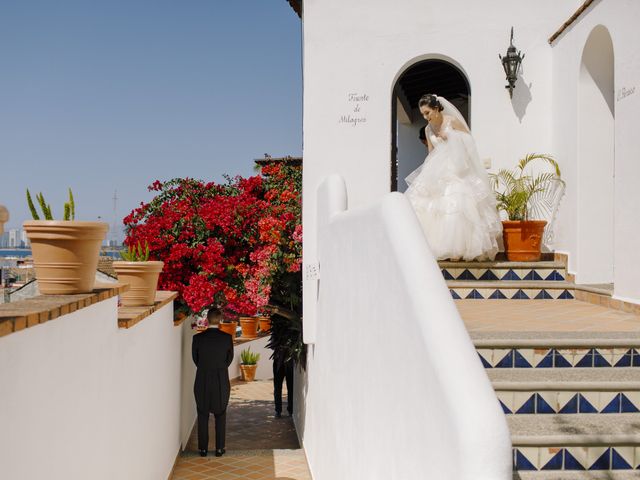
[[65, 254], [264, 324], [142, 278], [249, 327], [248, 372], [523, 239], [228, 327]]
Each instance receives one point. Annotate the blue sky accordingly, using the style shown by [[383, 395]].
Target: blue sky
[[105, 95]]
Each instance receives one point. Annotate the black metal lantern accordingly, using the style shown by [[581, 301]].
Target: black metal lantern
[[511, 64]]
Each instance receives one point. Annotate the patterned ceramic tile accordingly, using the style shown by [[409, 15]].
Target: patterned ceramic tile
[[551, 458], [547, 403], [524, 402], [506, 399], [599, 458], [576, 458]]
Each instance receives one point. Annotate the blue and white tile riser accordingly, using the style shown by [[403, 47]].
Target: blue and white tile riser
[[581, 458], [512, 293], [511, 274], [565, 402], [617, 357]]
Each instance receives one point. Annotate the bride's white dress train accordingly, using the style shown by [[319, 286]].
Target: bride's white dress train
[[454, 201]]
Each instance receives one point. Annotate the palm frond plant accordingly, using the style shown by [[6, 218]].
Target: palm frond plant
[[524, 196], [527, 198]]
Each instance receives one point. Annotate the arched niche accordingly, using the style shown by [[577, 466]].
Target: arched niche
[[596, 159]]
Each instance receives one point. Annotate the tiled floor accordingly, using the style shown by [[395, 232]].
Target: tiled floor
[[259, 446], [544, 316]]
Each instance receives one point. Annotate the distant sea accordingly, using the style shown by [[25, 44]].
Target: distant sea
[[26, 252], [15, 252]]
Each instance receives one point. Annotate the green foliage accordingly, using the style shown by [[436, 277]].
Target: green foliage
[[32, 207], [248, 357], [72, 206], [69, 207], [522, 195], [133, 254], [286, 336]]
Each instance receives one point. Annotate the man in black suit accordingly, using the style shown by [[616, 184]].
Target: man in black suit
[[212, 352]]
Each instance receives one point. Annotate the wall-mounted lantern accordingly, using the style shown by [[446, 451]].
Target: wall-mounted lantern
[[511, 64]]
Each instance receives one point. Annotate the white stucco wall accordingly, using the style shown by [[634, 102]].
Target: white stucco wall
[[82, 398], [363, 47], [394, 387], [619, 19]]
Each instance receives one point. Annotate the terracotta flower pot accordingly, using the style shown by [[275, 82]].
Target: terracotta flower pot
[[65, 254], [142, 278], [523, 239], [248, 372], [228, 327], [249, 327], [264, 324]]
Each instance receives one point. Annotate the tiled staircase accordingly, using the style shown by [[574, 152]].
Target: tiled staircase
[[508, 280], [572, 399]]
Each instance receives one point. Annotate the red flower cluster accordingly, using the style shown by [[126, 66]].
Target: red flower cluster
[[223, 245]]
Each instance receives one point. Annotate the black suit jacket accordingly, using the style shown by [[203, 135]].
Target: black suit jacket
[[212, 353]]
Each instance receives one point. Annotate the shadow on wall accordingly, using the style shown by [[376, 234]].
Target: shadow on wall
[[521, 97]]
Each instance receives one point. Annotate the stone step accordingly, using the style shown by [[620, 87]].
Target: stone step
[[584, 475], [557, 350], [511, 290], [510, 271], [575, 442], [562, 391]]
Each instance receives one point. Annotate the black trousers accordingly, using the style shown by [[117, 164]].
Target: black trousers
[[203, 429], [282, 371]]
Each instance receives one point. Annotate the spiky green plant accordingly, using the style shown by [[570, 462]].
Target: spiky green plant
[[136, 254], [247, 357], [32, 207], [72, 207], [69, 207], [524, 196]]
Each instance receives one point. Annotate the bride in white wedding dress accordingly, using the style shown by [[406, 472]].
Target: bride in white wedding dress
[[450, 192]]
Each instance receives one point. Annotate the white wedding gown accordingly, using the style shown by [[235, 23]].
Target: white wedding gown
[[453, 199]]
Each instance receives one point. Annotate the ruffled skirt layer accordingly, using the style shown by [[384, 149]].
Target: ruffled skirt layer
[[455, 204]]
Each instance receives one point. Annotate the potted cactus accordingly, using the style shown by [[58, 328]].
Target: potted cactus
[[65, 252], [140, 273], [248, 364]]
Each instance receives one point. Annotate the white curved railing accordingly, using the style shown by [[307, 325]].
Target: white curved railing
[[395, 387]]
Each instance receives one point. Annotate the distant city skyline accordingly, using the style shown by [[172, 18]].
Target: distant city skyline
[[111, 96]]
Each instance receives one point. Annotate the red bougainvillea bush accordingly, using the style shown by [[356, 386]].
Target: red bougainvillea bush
[[224, 245]]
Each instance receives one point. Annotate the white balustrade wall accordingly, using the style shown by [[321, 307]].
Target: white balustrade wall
[[82, 398], [394, 387]]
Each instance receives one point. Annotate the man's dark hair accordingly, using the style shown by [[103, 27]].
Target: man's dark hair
[[422, 135]]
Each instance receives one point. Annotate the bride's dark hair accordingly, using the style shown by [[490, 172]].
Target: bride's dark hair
[[430, 101]]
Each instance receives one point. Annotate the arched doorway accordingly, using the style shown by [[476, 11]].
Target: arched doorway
[[426, 76], [596, 160]]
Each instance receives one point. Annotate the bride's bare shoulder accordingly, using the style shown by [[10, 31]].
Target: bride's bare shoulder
[[457, 124]]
